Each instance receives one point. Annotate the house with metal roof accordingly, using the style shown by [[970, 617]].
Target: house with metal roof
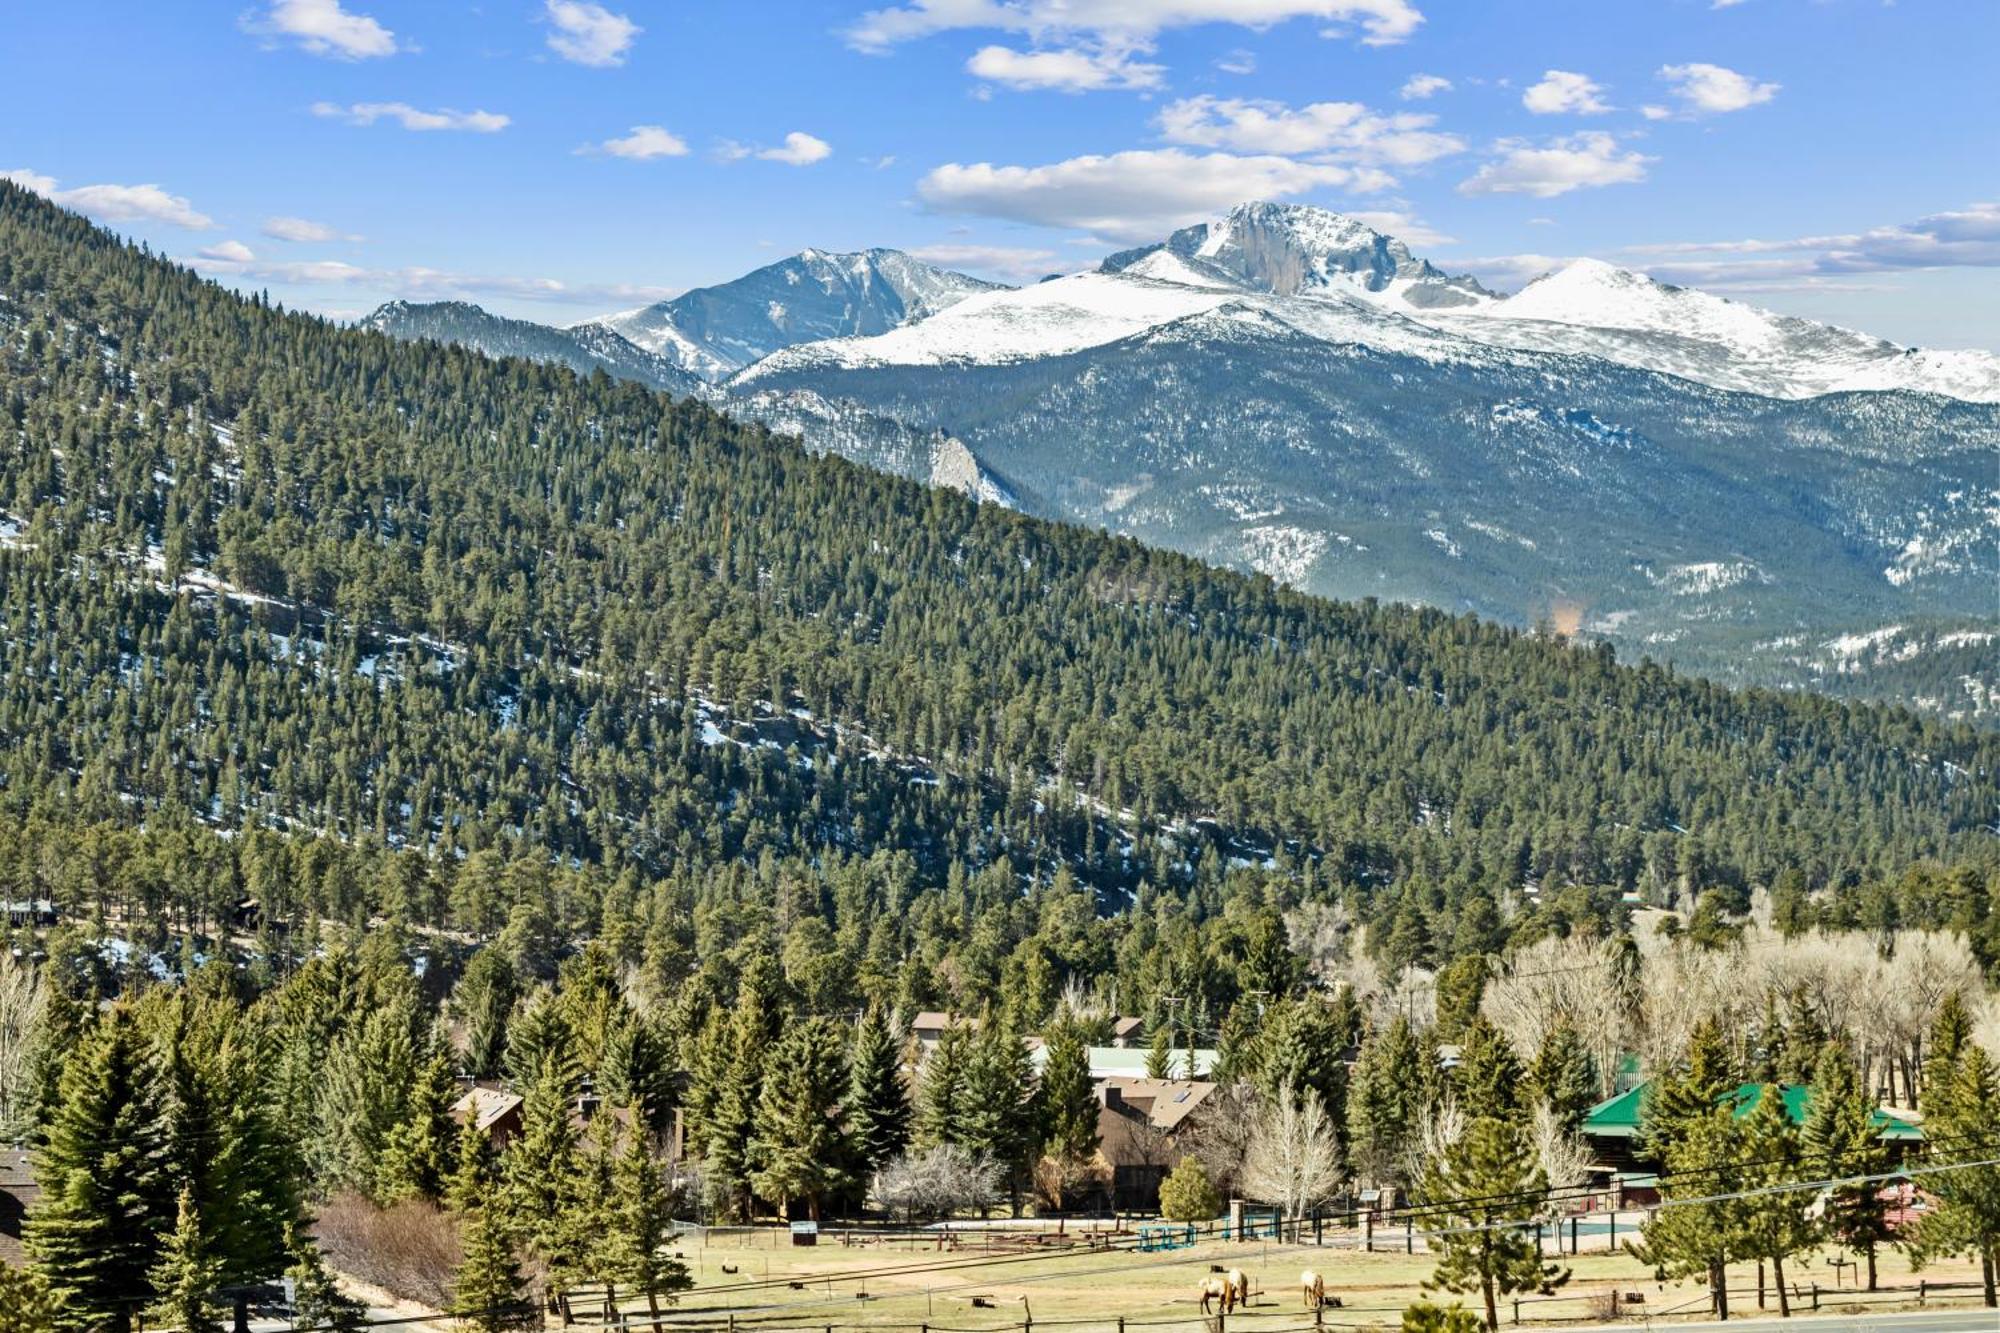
[[1613, 1129]]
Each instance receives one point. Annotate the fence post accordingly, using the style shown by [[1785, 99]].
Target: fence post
[[1368, 1231], [1815, 1286], [1614, 1231], [1921, 1284], [1409, 1235], [1517, 1309], [1575, 1234]]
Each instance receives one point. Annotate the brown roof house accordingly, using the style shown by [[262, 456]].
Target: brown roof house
[[494, 1110], [1140, 1124]]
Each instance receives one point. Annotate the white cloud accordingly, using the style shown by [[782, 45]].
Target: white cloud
[[234, 252], [1381, 22], [1581, 161], [1132, 196], [30, 180], [1238, 61], [1712, 89], [642, 144], [1654, 111], [1564, 92], [1405, 228], [1347, 130], [420, 283], [1509, 272], [411, 118], [1420, 86], [1961, 238], [303, 229], [115, 203], [1066, 70], [588, 34], [798, 150], [1013, 263], [325, 29]]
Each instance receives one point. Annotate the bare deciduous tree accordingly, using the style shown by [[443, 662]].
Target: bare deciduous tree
[[1564, 1156], [1294, 1155], [23, 1002], [936, 1182]]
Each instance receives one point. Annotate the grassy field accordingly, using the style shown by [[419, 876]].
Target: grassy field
[[760, 1280]]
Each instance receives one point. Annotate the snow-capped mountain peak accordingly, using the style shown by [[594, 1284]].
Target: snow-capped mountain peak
[[1295, 249], [815, 294], [1598, 309]]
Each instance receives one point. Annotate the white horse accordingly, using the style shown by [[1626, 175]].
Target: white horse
[[1218, 1289], [1312, 1289], [1234, 1277]]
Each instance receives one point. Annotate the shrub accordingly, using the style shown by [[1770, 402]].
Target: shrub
[[1424, 1317], [1186, 1195], [409, 1249]]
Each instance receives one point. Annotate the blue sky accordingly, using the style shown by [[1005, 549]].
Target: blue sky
[[555, 159]]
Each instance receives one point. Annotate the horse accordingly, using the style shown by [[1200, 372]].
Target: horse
[[1234, 1277], [1312, 1289], [1217, 1289]]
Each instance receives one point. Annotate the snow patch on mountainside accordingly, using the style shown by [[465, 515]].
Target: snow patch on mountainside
[[1707, 576], [1284, 552]]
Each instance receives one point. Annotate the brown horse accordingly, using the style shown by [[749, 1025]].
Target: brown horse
[[1234, 1277], [1312, 1289], [1217, 1289]]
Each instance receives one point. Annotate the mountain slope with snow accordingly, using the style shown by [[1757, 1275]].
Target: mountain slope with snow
[[584, 347], [1596, 309], [713, 331], [1290, 391]]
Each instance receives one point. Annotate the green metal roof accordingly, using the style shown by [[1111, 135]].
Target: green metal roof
[[1619, 1117]]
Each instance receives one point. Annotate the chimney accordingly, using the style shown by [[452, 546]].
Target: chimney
[[1114, 1096]]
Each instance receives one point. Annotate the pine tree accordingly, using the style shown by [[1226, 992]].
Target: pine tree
[[1564, 1075], [473, 1167], [316, 1301], [1160, 1052], [941, 1088], [1700, 1233], [1067, 1096], [798, 1148], [107, 1200], [1489, 1076], [482, 1001], [636, 1071], [416, 1157], [1951, 1033], [878, 1100], [1302, 1047], [995, 1113], [1486, 1190], [1967, 1220], [365, 1095], [641, 1226], [1388, 1093], [488, 1291], [1679, 1097], [1841, 1139], [1775, 1224], [542, 1170], [186, 1277]]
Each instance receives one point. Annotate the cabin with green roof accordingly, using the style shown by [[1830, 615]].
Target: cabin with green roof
[[1612, 1128]]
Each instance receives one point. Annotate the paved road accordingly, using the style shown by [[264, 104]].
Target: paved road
[[1967, 1319]]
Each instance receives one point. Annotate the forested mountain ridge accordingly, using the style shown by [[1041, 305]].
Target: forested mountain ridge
[[268, 571]]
